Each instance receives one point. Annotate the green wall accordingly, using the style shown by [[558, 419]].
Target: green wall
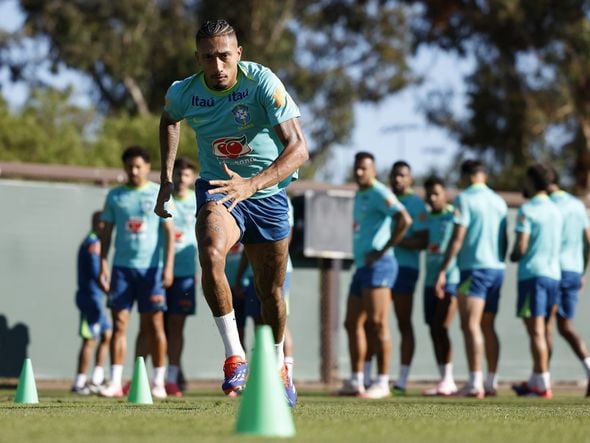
[[42, 225]]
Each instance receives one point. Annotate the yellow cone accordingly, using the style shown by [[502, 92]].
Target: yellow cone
[[263, 409], [140, 392], [26, 391]]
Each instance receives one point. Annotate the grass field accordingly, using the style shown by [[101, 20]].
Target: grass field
[[206, 416]]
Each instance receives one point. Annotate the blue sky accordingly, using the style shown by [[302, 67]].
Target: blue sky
[[422, 145]]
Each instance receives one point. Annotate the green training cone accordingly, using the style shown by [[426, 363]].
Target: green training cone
[[263, 409], [26, 391], [140, 392]]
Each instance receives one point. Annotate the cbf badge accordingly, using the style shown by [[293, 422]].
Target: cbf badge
[[241, 114]]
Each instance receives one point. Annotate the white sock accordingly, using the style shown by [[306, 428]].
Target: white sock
[[280, 350], [447, 372], [492, 380], [172, 374], [533, 382], [228, 329], [476, 379], [383, 380], [98, 375], [586, 363], [441, 371], [289, 362], [545, 381], [159, 374], [117, 374], [402, 380], [359, 378], [367, 370], [80, 380]]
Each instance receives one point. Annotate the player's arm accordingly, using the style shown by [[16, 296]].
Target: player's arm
[[293, 156], [169, 138], [418, 241], [169, 251], [503, 238], [521, 244], [453, 248], [402, 222], [95, 261], [105, 240]]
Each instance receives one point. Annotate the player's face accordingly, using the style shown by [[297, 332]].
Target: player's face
[[400, 179], [219, 57], [436, 198], [364, 172], [137, 170], [183, 179]]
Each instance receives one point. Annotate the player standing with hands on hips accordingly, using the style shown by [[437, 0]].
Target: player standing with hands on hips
[[250, 146]]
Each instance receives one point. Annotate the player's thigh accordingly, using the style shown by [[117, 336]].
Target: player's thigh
[[376, 304], [216, 228]]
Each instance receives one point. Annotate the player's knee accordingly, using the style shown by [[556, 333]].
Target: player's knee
[[212, 258]]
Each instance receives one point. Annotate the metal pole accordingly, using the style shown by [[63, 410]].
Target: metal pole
[[329, 318]]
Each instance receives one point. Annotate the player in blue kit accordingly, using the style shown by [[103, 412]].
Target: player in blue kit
[[440, 311], [537, 251], [181, 296], [94, 324], [250, 146], [143, 265], [408, 259], [380, 222], [479, 242], [575, 247]]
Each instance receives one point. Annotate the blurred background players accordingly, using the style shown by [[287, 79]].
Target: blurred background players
[[94, 324], [181, 296], [142, 266], [537, 250], [380, 222], [402, 293], [575, 247], [479, 242]]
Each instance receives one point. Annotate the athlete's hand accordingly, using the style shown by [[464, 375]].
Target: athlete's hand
[[104, 280], [167, 277], [235, 189], [372, 257], [439, 286], [164, 194]]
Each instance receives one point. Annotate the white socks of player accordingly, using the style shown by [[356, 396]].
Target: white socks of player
[[228, 329], [117, 374], [476, 380], [586, 363], [80, 381], [159, 374], [280, 350], [98, 375]]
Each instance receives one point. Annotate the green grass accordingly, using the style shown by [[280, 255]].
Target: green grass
[[209, 417]]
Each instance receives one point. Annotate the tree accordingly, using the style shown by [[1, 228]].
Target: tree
[[330, 53], [529, 94]]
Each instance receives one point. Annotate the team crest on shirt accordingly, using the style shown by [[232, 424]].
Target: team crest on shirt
[[231, 147], [241, 114]]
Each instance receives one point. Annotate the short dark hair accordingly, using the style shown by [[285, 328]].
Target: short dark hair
[[214, 28], [184, 163], [471, 167], [362, 155], [401, 164], [539, 176], [136, 151], [553, 175], [434, 180]]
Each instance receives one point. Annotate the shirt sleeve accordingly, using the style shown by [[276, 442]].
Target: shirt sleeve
[[108, 213], [461, 214], [173, 106], [277, 103], [523, 223]]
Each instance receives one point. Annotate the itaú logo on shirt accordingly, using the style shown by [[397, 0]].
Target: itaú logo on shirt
[[231, 147]]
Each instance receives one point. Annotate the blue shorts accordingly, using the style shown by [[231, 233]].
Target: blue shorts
[[381, 274], [260, 220], [93, 319], [430, 300], [252, 307], [536, 297], [483, 283], [406, 280], [143, 285], [569, 293], [181, 296]]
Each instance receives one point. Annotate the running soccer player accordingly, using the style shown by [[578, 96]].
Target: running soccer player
[[440, 311], [380, 222], [250, 146], [409, 267], [143, 266], [181, 296], [479, 242], [537, 251], [94, 324], [575, 247]]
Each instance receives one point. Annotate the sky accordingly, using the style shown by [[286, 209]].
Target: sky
[[423, 146]]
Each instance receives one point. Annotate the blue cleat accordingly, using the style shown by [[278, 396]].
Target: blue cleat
[[235, 370], [290, 391]]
